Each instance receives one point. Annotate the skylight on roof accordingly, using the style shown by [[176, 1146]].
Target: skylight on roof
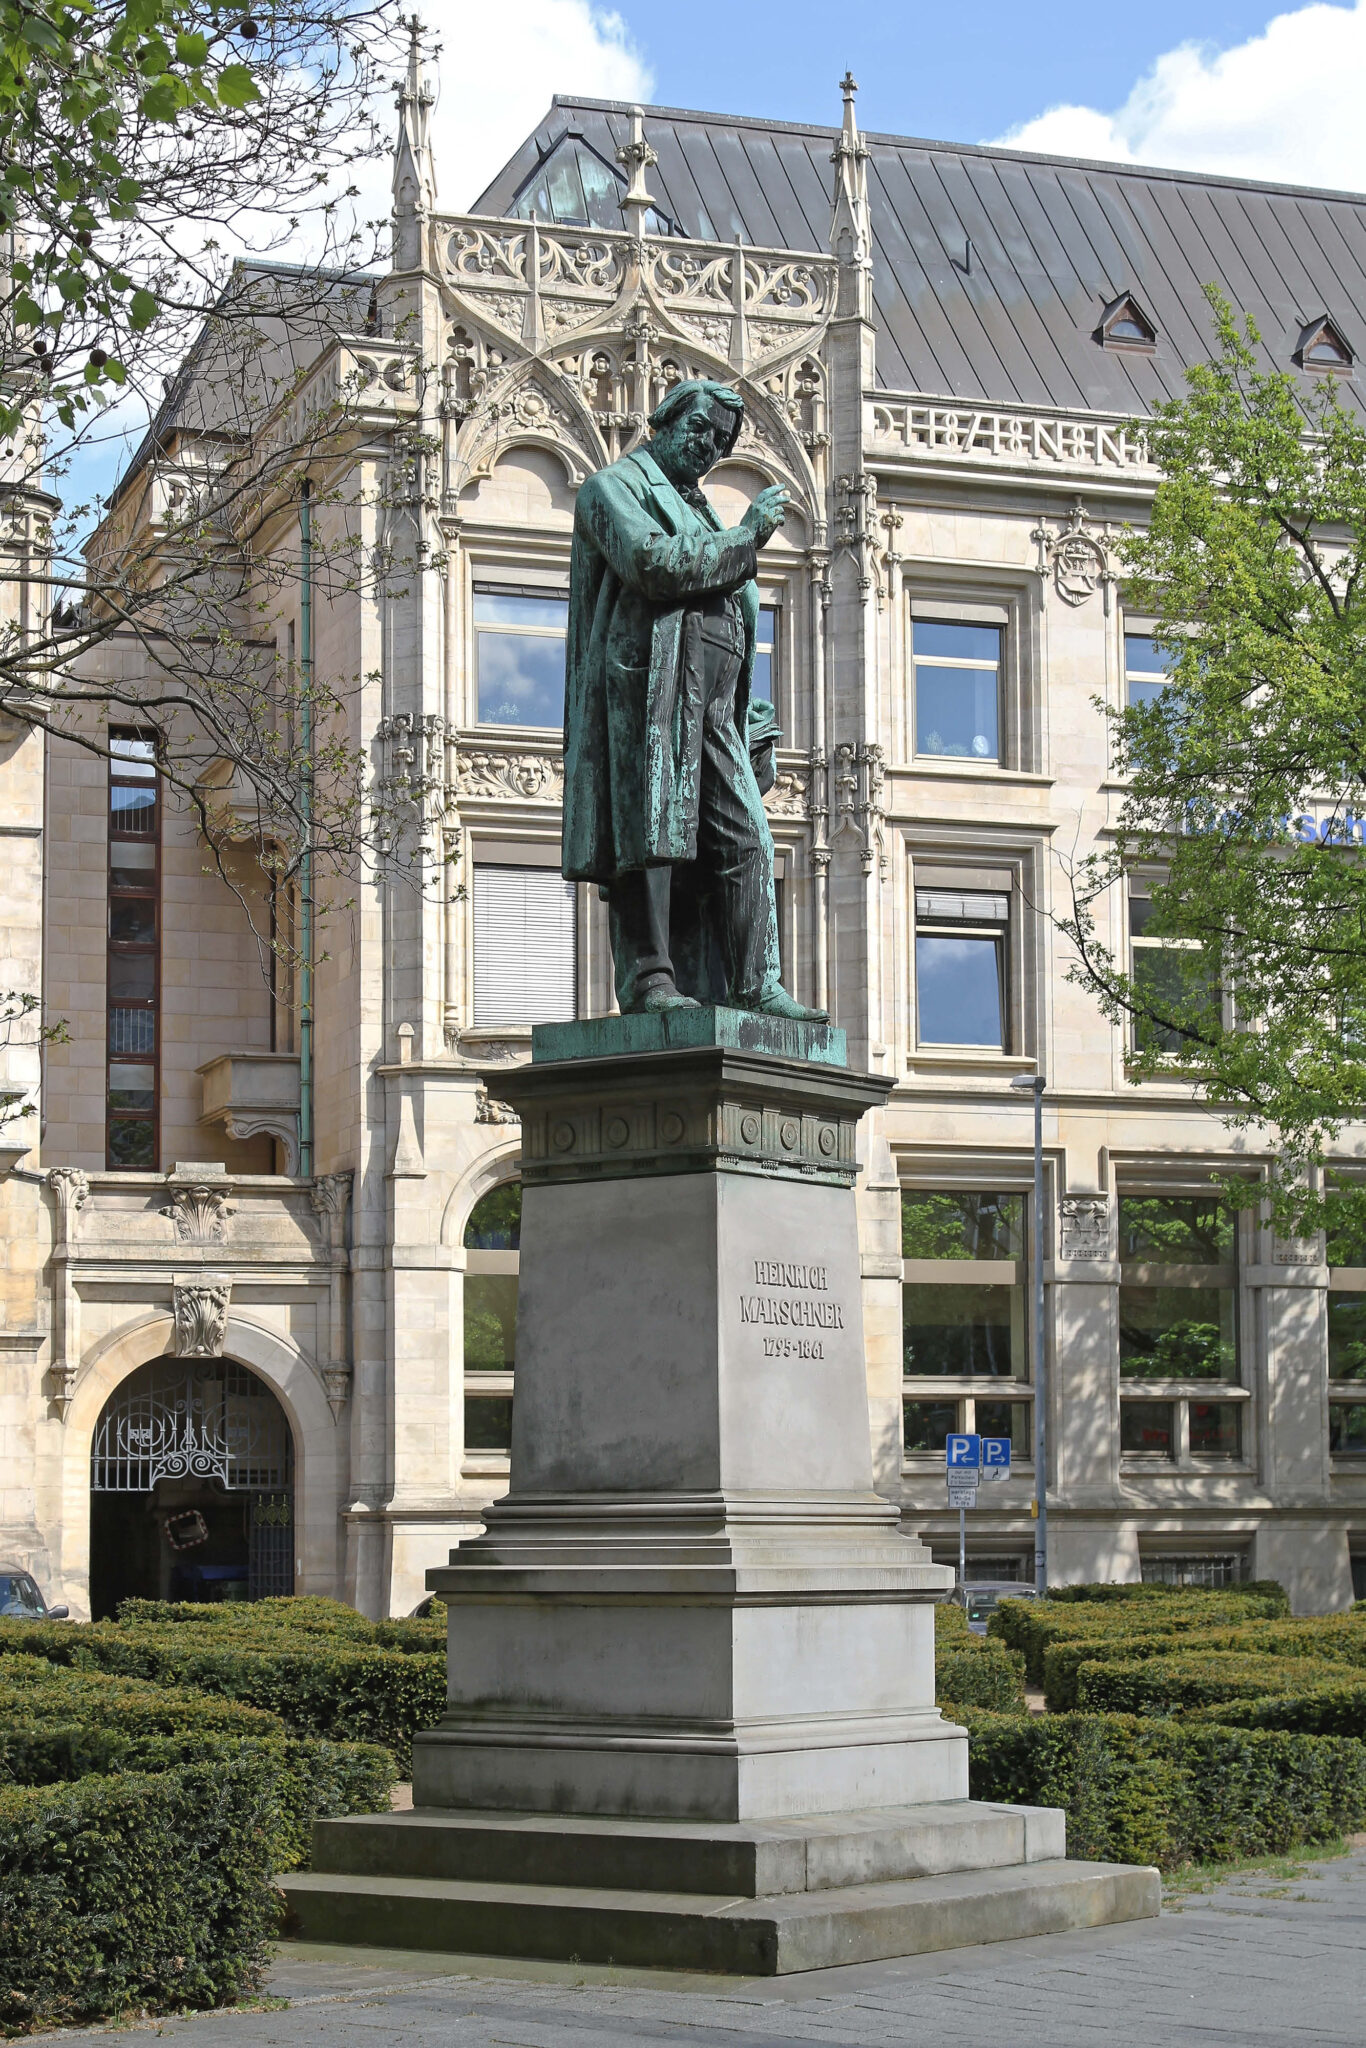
[[1124, 324], [1322, 347], [574, 187]]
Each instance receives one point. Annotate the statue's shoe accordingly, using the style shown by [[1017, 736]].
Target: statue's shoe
[[665, 998], [776, 1002]]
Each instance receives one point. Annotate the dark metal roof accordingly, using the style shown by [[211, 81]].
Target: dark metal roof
[[1010, 319]]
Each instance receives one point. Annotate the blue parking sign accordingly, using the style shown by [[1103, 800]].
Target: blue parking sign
[[996, 1454], [963, 1453]]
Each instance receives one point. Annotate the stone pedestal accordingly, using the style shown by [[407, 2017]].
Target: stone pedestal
[[691, 1602], [691, 1715]]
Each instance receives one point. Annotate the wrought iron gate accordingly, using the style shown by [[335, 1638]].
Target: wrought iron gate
[[206, 1418]]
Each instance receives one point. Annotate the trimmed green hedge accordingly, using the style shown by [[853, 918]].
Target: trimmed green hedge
[[325, 1685], [306, 1614], [1195, 1678], [1103, 1592], [1034, 1625], [1328, 1709], [990, 1677], [1138, 1790], [1336, 1639], [135, 1890], [139, 1833]]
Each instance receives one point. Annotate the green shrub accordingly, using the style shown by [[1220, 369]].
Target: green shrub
[[328, 1686], [1189, 1678], [951, 1623], [1139, 1790], [980, 1674], [1032, 1625], [1322, 1710], [137, 1891], [1261, 1590], [303, 1615]]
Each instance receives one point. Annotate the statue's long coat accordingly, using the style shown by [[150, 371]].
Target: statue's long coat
[[633, 690]]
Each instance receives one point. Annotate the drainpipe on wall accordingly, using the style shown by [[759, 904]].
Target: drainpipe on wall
[[306, 810]]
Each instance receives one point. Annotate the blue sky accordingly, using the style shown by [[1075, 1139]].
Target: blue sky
[[1227, 86], [963, 75]]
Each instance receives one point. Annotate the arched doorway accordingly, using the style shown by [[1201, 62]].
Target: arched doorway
[[191, 1487]]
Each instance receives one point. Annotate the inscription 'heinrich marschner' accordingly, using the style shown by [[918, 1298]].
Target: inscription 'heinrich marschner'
[[791, 1306]]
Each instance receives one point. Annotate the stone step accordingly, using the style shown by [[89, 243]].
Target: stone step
[[757, 1859], [699, 1931]]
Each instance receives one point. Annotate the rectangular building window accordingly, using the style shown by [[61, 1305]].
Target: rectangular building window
[[765, 654], [963, 1322], [493, 1239], [524, 946], [519, 643], [1147, 1429], [960, 967], [1178, 1326], [1345, 1250], [956, 682], [1174, 976], [133, 973], [1219, 1568], [1145, 669]]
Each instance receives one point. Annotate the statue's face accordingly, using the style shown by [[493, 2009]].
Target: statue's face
[[693, 440]]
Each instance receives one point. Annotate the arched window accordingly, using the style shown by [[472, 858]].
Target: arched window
[[493, 1237]]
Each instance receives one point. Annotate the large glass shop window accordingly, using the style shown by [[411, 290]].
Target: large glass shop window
[[519, 639]]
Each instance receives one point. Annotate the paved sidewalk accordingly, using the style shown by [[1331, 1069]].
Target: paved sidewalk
[[1261, 1963]]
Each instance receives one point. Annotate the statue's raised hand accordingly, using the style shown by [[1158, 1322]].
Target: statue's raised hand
[[765, 515]]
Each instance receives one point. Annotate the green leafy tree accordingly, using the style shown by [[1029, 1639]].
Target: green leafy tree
[[141, 138], [1245, 776], [182, 243]]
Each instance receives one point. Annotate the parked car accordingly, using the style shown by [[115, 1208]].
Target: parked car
[[980, 1599], [19, 1596]]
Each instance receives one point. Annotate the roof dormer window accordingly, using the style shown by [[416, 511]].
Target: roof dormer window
[[1125, 325], [574, 187], [1322, 347]]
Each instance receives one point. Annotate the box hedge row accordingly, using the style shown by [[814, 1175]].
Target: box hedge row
[[328, 1686], [139, 1833], [304, 1614], [138, 1891], [1032, 1626], [1106, 1593], [1325, 1710], [1190, 1679], [1334, 1639], [1141, 1790]]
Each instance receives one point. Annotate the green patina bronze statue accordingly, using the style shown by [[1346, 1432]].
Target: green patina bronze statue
[[662, 802]]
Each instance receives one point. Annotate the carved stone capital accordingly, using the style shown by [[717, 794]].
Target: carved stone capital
[[201, 1318], [329, 1196], [72, 1190], [1084, 1227], [336, 1381], [199, 1212], [62, 1379], [489, 1110]]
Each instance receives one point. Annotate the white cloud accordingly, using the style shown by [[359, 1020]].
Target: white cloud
[[1286, 105], [501, 66]]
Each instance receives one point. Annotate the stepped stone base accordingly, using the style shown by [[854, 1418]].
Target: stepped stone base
[[758, 1898]]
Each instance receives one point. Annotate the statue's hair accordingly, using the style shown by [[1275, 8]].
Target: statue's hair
[[683, 395]]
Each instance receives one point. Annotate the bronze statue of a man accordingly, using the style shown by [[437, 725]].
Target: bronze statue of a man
[[662, 805]]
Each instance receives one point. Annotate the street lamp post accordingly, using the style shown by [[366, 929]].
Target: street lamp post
[[1036, 1084]]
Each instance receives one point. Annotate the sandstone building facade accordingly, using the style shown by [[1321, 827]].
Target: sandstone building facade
[[259, 1314]]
